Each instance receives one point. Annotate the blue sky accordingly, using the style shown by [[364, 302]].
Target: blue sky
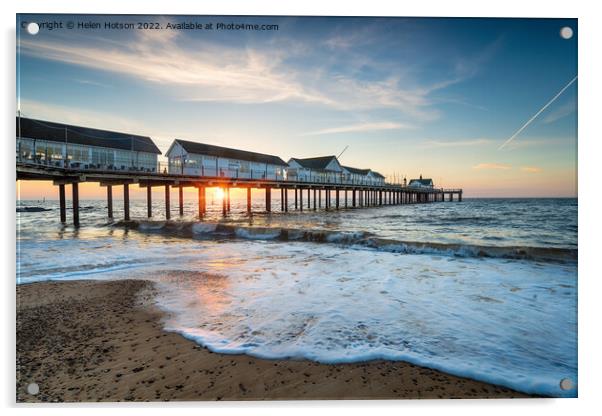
[[409, 96]]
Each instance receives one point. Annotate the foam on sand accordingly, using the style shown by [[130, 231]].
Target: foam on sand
[[499, 321], [502, 321]]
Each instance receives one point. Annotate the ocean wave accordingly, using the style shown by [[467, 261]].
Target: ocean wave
[[353, 238], [543, 254], [257, 233], [32, 209], [203, 227], [77, 271]]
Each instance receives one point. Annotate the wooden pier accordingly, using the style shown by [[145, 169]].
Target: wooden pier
[[346, 195]]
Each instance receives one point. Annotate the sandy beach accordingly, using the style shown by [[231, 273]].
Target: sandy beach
[[103, 341]]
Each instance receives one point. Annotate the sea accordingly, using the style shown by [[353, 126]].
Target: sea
[[483, 288]]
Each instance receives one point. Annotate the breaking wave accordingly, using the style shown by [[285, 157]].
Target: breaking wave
[[208, 230], [32, 209]]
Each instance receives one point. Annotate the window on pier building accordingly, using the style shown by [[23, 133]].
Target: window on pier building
[[147, 160], [192, 162], [25, 149], [78, 153], [176, 162], [209, 165], [233, 166], [103, 157], [123, 159], [54, 151], [245, 167]]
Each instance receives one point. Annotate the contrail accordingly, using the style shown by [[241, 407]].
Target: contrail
[[538, 113]]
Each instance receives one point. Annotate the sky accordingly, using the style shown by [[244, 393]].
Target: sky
[[408, 96]]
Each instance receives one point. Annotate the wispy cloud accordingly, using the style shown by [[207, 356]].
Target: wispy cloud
[[353, 128], [208, 73], [346, 40], [244, 74], [78, 116], [542, 142], [94, 83], [458, 143], [561, 112], [494, 166], [531, 169]]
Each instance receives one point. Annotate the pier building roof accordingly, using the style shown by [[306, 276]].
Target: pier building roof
[[67, 133], [421, 182], [316, 163], [357, 171], [225, 152]]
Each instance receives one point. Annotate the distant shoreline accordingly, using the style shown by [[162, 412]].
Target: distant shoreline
[[104, 341]]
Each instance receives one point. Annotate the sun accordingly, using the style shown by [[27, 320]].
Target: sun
[[218, 193]]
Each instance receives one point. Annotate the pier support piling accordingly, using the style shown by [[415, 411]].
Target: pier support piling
[[301, 199], [224, 206], [149, 203], [249, 200], [181, 200], [336, 196], [109, 201], [75, 203], [167, 203], [228, 198], [201, 191], [282, 199], [126, 201], [314, 199], [62, 204], [296, 197], [268, 199], [308, 198]]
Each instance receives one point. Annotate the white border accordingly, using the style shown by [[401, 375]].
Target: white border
[[590, 71]]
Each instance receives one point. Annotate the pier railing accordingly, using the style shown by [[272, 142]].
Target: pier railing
[[163, 169]]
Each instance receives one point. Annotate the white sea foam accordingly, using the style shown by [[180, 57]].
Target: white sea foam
[[257, 233], [151, 225], [507, 322], [503, 322], [204, 227], [344, 237]]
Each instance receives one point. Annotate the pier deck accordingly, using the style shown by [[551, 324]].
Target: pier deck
[[361, 195]]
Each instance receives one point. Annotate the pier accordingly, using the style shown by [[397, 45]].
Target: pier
[[69, 155], [306, 195]]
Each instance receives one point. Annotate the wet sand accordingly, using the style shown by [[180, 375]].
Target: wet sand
[[103, 341]]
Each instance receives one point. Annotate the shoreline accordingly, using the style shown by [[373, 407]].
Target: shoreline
[[104, 341]]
